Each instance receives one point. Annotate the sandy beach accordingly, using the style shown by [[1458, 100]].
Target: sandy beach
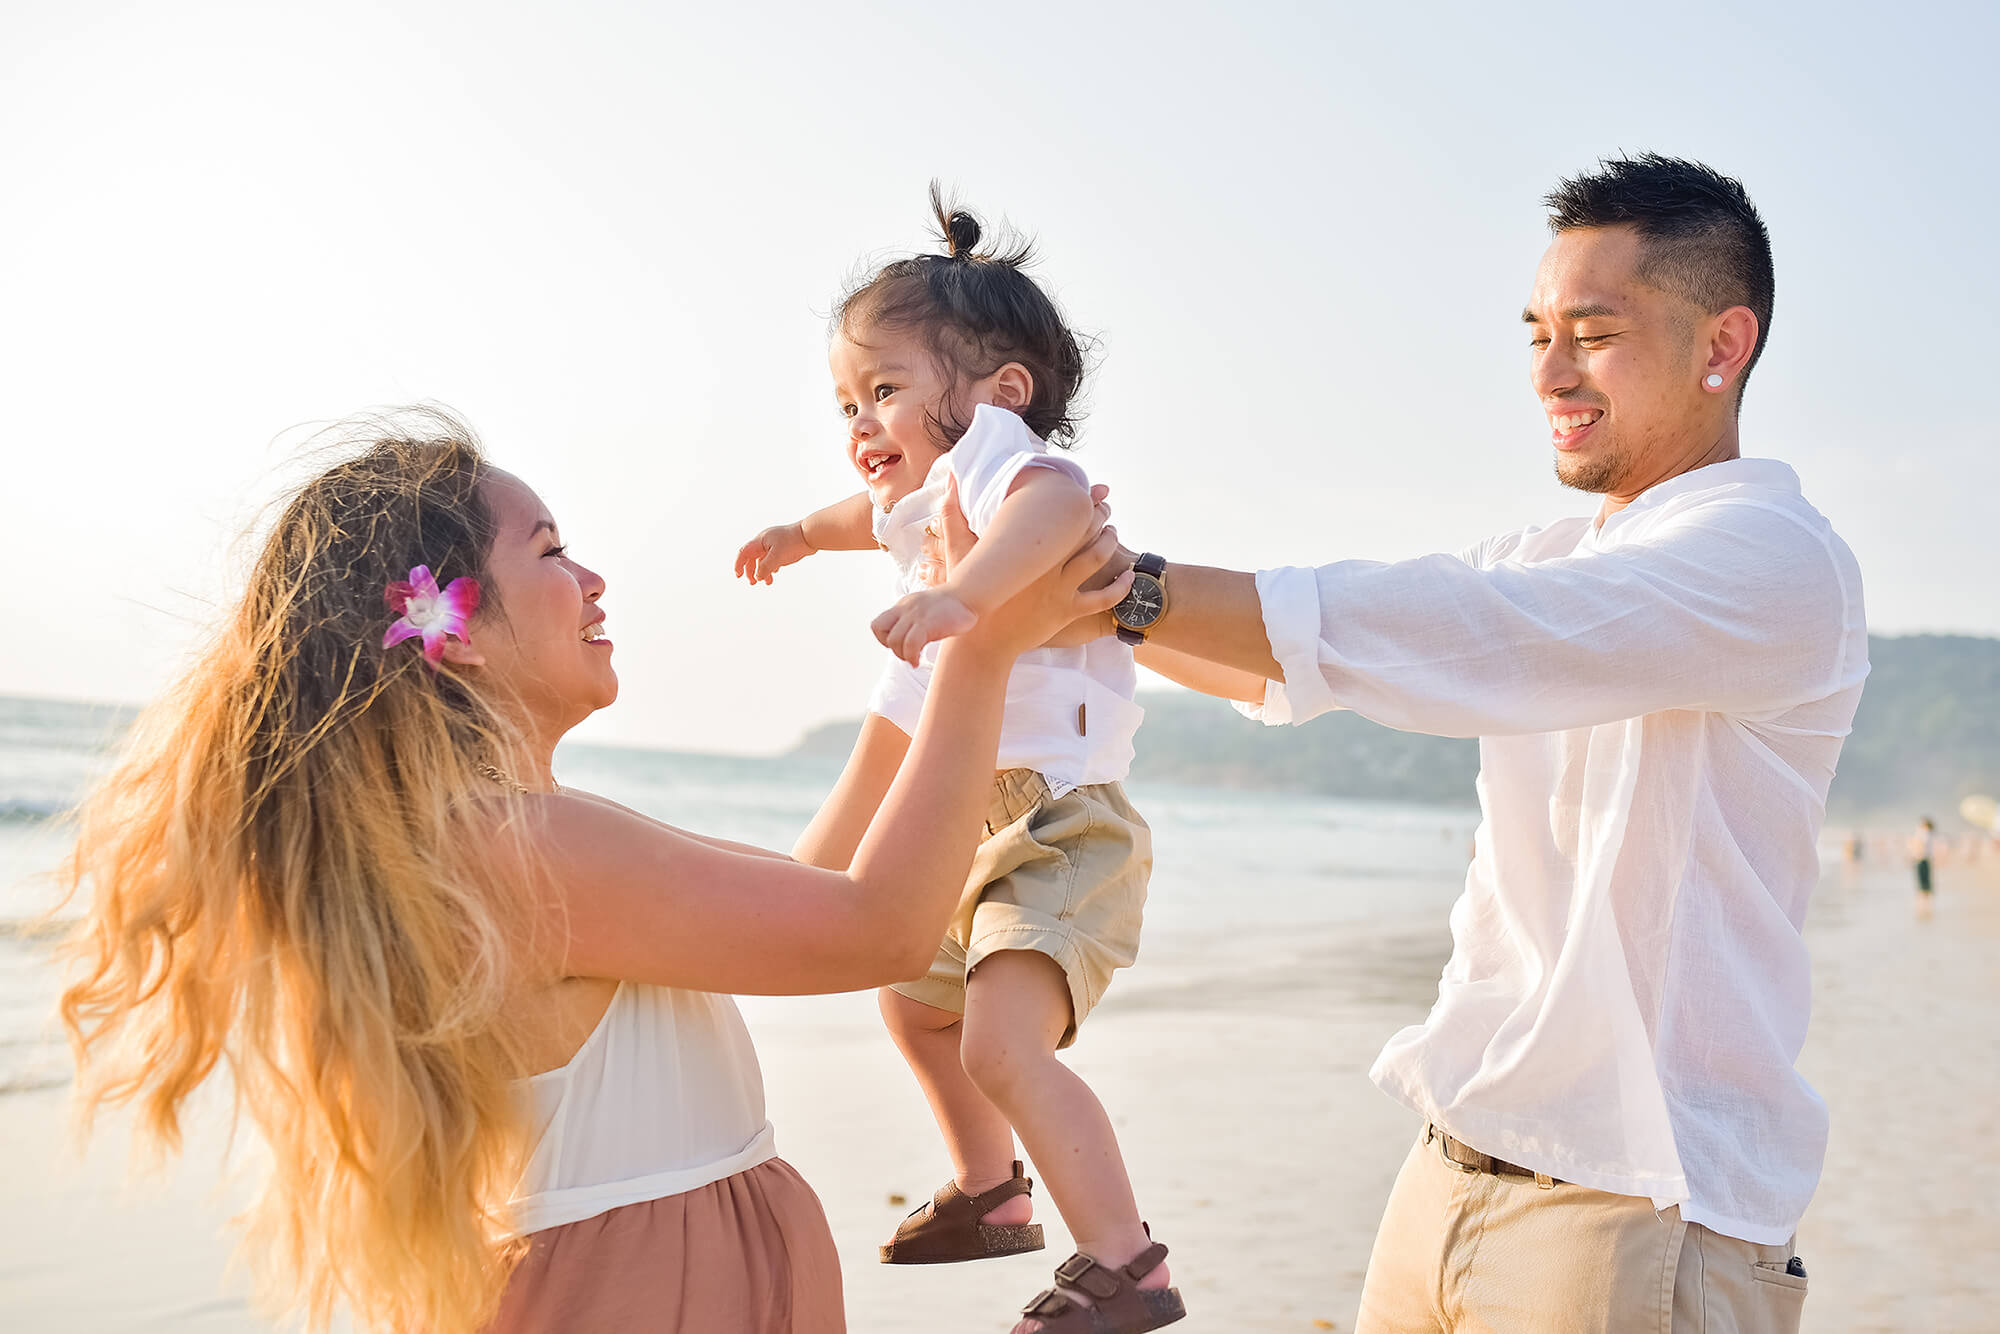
[[1236, 1069]]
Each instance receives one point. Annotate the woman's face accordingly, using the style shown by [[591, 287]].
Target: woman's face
[[542, 637]]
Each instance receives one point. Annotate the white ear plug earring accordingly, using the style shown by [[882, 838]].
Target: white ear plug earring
[[1713, 382]]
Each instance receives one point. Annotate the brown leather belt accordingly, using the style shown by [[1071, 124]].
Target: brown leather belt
[[1468, 1159]]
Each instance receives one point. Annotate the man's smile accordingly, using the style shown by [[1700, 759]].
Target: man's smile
[[1567, 429]]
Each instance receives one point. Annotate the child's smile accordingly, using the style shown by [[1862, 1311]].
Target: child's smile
[[890, 392], [876, 462]]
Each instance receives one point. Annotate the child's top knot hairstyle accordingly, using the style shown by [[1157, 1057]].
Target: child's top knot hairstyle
[[977, 310], [961, 231]]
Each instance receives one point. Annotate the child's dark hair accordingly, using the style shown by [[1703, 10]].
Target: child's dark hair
[[977, 310]]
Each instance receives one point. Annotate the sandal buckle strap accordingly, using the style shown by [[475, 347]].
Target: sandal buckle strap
[[1086, 1275], [1145, 1262], [953, 1207], [1047, 1302], [987, 1201]]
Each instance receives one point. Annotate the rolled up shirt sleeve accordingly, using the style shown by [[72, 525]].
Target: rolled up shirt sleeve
[[1741, 611], [1293, 621]]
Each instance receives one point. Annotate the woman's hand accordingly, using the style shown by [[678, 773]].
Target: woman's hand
[[1098, 625], [948, 540], [1056, 601]]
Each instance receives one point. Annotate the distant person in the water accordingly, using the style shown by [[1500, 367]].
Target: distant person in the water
[[1923, 847]]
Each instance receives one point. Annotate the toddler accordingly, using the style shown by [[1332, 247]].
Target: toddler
[[954, 372]]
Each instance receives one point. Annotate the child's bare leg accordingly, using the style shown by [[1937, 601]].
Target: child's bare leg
[[976, 1135], [1017, 1008]]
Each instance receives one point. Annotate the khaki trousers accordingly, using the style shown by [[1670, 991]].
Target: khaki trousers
[[1483, 1254]]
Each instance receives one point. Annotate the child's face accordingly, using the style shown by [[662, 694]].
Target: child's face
[[888, 389]]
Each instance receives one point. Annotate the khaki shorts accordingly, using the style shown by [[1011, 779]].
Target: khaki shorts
[[1462, 1250], [1062, 876]]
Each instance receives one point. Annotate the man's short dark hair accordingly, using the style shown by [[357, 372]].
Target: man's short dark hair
[[1701, 237]]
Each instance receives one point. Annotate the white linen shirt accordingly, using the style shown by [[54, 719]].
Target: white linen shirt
[[1070, 715], [1659, 702]]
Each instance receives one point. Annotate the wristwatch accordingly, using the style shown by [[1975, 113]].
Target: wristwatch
[[1145, 602]]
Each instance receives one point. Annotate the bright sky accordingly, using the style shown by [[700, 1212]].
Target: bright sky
[[608, 234]]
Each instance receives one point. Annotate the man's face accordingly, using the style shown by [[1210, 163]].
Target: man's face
[[1615, 364]]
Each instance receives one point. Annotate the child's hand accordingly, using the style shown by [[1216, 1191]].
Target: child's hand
[[772, 550], [921, 618]]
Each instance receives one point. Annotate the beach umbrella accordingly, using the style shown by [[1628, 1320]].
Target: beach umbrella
[[1981, 811]]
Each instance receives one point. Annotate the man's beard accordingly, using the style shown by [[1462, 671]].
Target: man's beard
[[1596, 476]]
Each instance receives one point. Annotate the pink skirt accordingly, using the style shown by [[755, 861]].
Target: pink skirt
[[749, 1254]]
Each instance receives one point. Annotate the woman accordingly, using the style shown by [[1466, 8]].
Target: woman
[[481, 1020]]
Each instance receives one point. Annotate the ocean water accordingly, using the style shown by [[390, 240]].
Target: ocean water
[[1224, 861]]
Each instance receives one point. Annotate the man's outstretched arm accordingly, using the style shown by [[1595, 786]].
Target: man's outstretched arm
[[1734, 613], [1211, 614], [1729, 611], [1209, 678]]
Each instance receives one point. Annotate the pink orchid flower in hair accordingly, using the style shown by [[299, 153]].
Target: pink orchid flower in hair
[[424, 611]]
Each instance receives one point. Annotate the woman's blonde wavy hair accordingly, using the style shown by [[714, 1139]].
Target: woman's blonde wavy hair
[[283, 877]]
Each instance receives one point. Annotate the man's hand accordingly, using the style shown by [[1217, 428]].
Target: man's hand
[[772, 550], [921, 618]]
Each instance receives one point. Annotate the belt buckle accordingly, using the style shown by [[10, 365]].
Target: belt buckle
[[1488, 1164], [1444, 1142]]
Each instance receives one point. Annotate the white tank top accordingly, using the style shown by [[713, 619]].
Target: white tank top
[[663, 1097]]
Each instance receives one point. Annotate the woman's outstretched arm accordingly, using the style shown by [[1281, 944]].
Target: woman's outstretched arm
[[636, 900], [727, 845]]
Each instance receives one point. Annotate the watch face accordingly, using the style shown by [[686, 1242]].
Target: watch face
[[1142, 604]]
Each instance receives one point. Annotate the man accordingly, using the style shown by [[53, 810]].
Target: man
[[1614, 1136]]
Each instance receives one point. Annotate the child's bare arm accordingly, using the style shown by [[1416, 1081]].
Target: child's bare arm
[[1039, 524], [846, 525], [1044, 518], [835, 832]]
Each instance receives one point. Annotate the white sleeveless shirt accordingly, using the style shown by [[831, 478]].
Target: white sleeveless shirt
[[662, 1098]]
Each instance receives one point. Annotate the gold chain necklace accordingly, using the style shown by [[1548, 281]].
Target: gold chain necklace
[[495, 773]]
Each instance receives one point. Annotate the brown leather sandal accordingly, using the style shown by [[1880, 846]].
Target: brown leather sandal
[[1121, 1306], [948, 1229]]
